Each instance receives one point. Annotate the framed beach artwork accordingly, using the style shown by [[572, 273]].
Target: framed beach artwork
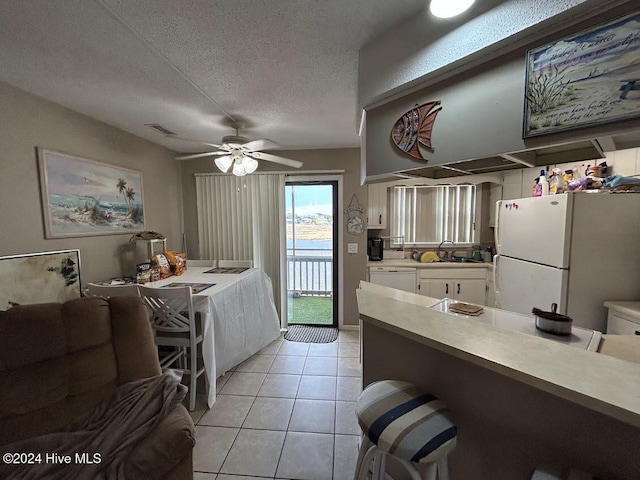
[[81, 197], [39, 278], [591, 78]]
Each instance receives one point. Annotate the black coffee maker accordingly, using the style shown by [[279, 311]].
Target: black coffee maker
[[374, 249]]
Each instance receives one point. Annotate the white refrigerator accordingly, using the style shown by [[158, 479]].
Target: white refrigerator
[[577, 250]]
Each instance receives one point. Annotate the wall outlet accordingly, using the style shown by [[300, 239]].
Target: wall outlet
[[352, 248]]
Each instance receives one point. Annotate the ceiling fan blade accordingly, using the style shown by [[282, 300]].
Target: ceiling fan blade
[[198, 141], [261, 144], [198, 155], [275, 158]]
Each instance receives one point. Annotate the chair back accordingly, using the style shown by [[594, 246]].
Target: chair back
[[171, 308], [108, 291], [235, 263]]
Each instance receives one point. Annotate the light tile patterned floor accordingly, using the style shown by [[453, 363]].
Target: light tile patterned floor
[[288, 412]]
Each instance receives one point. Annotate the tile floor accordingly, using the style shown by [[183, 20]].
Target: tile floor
[[288, 412]]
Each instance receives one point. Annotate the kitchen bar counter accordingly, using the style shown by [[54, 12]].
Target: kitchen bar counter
[[519, 400]]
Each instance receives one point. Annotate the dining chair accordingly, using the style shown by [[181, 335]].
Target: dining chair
[[106, 291], [235, 263], [176, 324], [201, 263]]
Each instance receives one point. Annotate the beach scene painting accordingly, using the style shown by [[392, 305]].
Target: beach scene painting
[[81, 197], [587, 79]]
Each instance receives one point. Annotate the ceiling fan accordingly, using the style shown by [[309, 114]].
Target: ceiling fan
[[241, 155]]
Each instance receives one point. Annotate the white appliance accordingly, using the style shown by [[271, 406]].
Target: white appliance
[[576, 250], [402, 278]]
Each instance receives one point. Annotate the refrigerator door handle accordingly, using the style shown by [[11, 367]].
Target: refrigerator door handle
[[496, 232], [496, 258]]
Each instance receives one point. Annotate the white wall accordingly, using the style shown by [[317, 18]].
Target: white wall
[[390, 63], [27, 122]]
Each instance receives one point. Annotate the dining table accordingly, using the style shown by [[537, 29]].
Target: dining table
[[238, 313]]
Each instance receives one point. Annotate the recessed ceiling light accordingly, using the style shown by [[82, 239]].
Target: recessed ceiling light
[[449, 8]]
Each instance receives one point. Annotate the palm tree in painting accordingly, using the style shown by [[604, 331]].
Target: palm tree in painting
[[121, 185], [130, 195], [122, 188]]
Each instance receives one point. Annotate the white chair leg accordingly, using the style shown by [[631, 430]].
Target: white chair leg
[[379, 466], [431, 471], [192, 381], [443, 468], [366, 461], [365, 444]]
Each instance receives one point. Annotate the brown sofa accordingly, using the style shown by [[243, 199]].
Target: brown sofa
[[58, 361]]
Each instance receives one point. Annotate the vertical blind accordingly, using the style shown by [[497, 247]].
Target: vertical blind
[[431, 214], [242, 218]]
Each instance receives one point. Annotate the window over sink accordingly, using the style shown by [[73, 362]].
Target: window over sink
[[426, 215]]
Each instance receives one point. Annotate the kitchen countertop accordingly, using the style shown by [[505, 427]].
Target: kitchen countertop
[[406, 262], [631, 309], [598, 382]]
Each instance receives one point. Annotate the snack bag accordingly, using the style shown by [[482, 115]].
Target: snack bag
[[162, 264], [177, 261], [143, 272]]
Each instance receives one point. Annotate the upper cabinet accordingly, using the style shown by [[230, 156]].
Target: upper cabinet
[[377, 210]]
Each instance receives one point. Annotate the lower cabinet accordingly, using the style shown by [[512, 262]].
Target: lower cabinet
[[464, 284], [623, 318]]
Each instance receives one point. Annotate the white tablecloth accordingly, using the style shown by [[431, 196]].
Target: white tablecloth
[[240, 308]]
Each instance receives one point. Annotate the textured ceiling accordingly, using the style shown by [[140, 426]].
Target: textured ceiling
[[287, 68]]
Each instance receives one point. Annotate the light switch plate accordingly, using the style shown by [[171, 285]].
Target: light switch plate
[[352, 248]]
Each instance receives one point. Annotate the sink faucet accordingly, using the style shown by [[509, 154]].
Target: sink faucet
[[445, 254]]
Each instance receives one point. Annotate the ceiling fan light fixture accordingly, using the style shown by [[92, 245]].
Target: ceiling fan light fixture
[[249, 164], [238, 169], [224, 163], [449, 8]]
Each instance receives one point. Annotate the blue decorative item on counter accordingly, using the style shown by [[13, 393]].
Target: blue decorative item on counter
[[618, 180]]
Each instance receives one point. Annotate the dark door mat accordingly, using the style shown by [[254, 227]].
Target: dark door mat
[[309, 334]]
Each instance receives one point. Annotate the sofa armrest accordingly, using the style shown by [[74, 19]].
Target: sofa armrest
[[170, 443]]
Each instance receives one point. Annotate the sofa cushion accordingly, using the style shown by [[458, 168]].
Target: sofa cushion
[[30, 334], [133, 339], [87, 323]]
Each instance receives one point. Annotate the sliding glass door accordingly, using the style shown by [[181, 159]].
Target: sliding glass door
[[311, 213]]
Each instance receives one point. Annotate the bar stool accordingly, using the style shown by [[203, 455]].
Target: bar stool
[[414, 427]]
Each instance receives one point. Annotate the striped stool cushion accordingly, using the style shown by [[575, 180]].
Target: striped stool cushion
[[403, 421]]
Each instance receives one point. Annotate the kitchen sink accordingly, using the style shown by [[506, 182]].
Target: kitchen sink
[[460, 260]]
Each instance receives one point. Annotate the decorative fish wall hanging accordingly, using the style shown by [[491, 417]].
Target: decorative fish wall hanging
[[414, 127]]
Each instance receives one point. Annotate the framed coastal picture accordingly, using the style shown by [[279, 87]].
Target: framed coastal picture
[[39, 278], [591, 78], [81, 197]]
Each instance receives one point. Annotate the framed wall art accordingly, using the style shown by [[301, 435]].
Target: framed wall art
[[587, 79], [39, 278], [81, 197]]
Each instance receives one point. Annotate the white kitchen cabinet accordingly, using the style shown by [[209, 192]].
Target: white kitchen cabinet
[[401, 278], [464, 284], [469, 291], [623, 318], [377, 210]]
